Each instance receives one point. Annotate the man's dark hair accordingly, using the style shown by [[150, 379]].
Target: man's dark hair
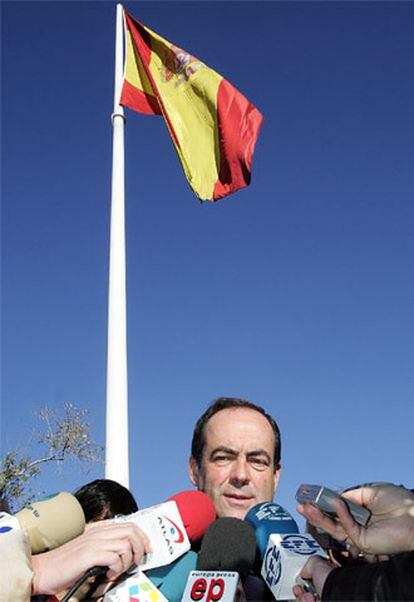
[[222, 403], [104, 498]]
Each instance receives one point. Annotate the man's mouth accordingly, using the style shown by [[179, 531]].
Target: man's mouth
[[238, 499]]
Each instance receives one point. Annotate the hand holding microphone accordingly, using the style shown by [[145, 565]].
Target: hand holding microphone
[[56, 524], [170, 526], [105, 544]]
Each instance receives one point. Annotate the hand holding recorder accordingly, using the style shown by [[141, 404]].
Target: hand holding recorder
[[390, 528]]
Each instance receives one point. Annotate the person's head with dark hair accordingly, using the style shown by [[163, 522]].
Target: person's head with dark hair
[[103, 498], [235, 455]]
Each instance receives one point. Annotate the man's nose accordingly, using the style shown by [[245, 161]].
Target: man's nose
[[240, 473]]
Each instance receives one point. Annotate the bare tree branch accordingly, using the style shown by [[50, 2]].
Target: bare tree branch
[[66, 436]]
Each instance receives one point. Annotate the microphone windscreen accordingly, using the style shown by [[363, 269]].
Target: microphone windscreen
[[171, 580], [52, 521], [267, 518], [228, 545], [196, 510]]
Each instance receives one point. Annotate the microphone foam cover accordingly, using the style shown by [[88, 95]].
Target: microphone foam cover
[[196, 510], [267, 518], [52, 521], [228, 545]]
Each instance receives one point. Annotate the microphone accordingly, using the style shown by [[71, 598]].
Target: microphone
[[267, 518], [165, 529], [210, 586], [225, 559], [284, 559], [50, 522], [283, 549], [197, 512], [228, 545], [136, 588], [171, 525], [171, 580], [168, 581]]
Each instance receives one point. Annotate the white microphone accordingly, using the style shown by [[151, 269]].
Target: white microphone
[[137, 587], [211, 586], [164, 527], [286, 555], [8, 523]]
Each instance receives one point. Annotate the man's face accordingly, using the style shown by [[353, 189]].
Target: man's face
[[237, 468]]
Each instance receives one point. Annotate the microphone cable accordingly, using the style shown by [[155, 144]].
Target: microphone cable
[[93, 572]]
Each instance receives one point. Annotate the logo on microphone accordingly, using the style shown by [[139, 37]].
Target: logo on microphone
[[7, 523], [272, 511], [144, 591], [305, 546], [174, 531], [171, 533], [272, 566]]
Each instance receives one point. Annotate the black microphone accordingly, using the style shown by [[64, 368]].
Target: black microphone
[[228, 545], [226, 557]]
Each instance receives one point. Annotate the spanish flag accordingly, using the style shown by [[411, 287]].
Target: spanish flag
[[214, 128]]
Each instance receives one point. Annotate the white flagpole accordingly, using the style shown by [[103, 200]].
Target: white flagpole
[[116, 451]]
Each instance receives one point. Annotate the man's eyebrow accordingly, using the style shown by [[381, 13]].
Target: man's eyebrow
[[225, 450], [258, 452], [252, 454]]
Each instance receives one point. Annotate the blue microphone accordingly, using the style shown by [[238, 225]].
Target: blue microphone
[[267, 518]]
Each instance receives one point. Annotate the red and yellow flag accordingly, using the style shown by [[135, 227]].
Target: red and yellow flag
[[214, 128]]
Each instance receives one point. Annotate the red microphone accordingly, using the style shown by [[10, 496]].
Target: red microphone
[[196, 510]]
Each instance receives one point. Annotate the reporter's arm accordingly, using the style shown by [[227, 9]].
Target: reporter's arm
[[389, 580], [114, 545]]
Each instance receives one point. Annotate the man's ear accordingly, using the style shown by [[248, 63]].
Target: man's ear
[[193, 471], [276, 476]]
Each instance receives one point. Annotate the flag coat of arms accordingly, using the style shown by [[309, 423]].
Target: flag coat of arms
[[214, 128]]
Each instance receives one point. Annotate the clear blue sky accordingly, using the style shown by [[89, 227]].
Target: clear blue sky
[[296, 293]]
